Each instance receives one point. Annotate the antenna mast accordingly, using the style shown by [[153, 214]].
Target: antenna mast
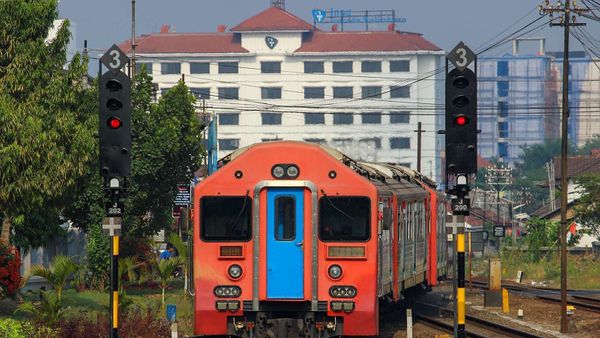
[[278, 3]]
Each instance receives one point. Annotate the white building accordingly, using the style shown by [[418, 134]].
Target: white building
[[275, 76]]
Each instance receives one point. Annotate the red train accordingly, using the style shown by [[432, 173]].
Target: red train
[[293, 239]]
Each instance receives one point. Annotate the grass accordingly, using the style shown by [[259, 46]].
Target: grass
[[92, 302], [583, 272]]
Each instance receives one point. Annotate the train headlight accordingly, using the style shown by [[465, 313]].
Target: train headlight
[[278, 171], [335, 271], [235, 271], [227, 291], [342, 291], [292, 171]]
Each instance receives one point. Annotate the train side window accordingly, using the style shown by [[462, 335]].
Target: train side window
[[225, 218], [285, 218], [387, 218], [344, 219]]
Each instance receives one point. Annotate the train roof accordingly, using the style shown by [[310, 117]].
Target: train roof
[[391, 174]]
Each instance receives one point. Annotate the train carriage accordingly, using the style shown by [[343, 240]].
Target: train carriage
[[297, 240]]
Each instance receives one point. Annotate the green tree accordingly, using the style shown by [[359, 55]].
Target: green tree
[[166, 150], [46, 126], [593, 143], [183, 253], [57, 274], [164, 269], [587, 209], [48, 310]]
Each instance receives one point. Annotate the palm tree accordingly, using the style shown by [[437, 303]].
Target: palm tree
[[183, 253], [57, 274], [49, 310], [164, 269]]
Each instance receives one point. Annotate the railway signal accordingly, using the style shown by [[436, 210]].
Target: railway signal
[[115, 116], [461, 122], [115, 158]]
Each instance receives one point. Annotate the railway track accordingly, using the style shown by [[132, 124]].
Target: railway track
[[477, 327], [550, 294]]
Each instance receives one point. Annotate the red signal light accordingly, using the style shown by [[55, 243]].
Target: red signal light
[[114, 123], [461, 120]]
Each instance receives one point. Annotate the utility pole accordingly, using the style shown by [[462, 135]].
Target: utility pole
[[419, 131], [564, 15], [132, 65]]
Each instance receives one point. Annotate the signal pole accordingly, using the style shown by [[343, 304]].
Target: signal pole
[[565, 11], [419, 131]]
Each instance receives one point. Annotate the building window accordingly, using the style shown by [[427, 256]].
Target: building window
[[170, 68], [342, 66], [228, 93], [270, 67], [371, 118], [199, 68], [371, 92], [502, 68], [229, 119], [372, 141], [270, 92], [146, 66], [404, 164], [371, 67], [314, 67], [270, 118], [201, 93], [314, 118], [314, 92], [229, 143], [399, 91], [163, 91], [400, 143], [343, 118], [502, 129], [503, 149], [316, 140], [399, 117], [228, 67], [400, 66], [503, 108], [270, 139], [502, 88], [342, 92]]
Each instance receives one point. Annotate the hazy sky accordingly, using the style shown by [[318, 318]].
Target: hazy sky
[[442, 22]]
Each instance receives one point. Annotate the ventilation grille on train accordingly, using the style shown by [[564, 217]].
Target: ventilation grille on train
[[247, 305], [346, 251]]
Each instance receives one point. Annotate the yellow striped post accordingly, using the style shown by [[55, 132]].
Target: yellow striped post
[[114, 279], [460, 292]]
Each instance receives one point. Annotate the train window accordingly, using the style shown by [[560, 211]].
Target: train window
[[344, 219], [226, 218], [285, 218]]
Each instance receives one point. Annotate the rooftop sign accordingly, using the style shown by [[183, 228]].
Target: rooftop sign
[[349, 16]]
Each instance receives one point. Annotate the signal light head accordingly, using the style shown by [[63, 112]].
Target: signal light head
[[461, 120], [461, 101], [114, 104], [460, 82], [113, 85], [114, 123]]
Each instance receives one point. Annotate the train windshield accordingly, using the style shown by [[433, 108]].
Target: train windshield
[[226, 218], [344, 219]]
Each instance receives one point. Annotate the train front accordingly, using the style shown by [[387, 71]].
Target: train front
[[285, 245]]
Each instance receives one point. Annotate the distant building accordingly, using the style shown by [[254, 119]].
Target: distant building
[[520, 100], [275, 76]]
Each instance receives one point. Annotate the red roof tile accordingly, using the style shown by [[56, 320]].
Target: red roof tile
[[186, 43], [380, 41], [273, 19], [578, 165]]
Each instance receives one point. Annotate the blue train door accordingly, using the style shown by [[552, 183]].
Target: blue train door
[[285, 243]]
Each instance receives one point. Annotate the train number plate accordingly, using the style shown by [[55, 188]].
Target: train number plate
[[461, 206]]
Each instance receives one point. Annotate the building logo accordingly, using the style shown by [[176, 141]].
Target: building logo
[[271, 42], [319, 15]]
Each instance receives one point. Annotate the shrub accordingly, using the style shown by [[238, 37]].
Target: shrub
[[10, 328], [134, 322], [10, 276]]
